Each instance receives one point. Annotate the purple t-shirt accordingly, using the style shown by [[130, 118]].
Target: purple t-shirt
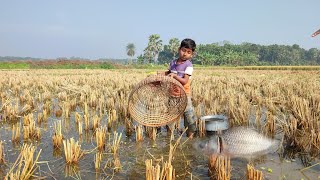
[[181, 69]]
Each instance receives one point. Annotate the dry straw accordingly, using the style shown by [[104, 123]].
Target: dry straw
[[152, 132], [116, 142], [139, 133], [31, 131], [58, 112], [115, 150], [219, 167], [270, 127], [253, 174], [16, 133], [72, 151], [97, 160], [46, 114], [152, 172], [272, 96], [201, 128], [25, 165], [40, 118], [86, 110], [101, 134], [96, 122], [116, 164], [112, 117], [101, 106], [77, 117], [80, 128], [66, 110], [72, 170], [57, 136], [1, 152], [128, 125], [167, 171], [27, 119], [86, 122]]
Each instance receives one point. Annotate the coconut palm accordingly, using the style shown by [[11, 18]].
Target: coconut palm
[[154, 47], [131, 51]]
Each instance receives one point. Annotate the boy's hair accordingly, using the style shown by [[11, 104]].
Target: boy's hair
[[188, 43]]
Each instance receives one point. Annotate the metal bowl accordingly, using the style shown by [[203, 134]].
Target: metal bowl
[[215, 122]]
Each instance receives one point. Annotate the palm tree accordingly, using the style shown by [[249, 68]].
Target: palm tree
[[154, 47], [174, 44], [131, 51]]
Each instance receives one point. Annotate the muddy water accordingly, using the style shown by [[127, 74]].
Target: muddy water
[[187, 162]]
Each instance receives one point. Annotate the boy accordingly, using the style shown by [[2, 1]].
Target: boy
[[181, 69]]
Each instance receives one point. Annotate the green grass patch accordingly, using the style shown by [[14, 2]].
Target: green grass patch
[[14, 65], [75, 66], [149, 66]]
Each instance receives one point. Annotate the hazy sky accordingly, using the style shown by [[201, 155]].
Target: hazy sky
[[102, 29]]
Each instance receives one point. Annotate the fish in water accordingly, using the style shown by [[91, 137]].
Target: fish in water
[[238, 142]]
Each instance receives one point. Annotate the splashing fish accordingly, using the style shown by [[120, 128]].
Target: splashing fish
[[238, 142], [315, 33]]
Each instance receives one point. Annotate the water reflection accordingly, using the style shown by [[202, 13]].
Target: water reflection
[[187, 161]]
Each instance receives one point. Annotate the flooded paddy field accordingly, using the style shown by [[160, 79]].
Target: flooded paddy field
[[91, 106]]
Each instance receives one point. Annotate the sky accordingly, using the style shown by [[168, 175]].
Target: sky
[[102, 29]]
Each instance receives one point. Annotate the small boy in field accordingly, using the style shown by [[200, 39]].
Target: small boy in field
[[181, 69]]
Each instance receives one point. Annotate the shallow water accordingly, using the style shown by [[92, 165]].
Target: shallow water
[[187, 160]]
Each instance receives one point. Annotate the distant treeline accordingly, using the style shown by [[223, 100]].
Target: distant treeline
[[248, 54], [215, 54], [73, 58]]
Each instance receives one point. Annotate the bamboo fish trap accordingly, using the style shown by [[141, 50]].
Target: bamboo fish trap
[[157, 100]]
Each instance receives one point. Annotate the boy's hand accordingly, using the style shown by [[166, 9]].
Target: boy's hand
[[173, 75]]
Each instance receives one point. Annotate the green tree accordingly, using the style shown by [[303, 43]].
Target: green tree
[[151, 52], [206, 58], [130, 51], [174, 45], [140, 59], [165, 56], [312, 55]]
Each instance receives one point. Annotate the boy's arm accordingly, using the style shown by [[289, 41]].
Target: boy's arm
[[183, 80]]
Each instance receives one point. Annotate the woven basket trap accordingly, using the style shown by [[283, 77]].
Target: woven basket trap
[[157, 100]]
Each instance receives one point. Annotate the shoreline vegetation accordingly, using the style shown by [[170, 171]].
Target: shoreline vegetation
[[81, 64]]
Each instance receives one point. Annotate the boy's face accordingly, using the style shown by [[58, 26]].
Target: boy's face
[[185, 53]]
